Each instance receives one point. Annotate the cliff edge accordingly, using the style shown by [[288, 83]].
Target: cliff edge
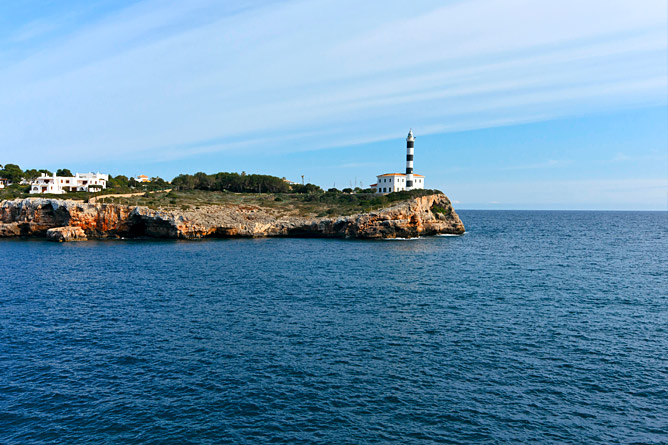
[[67, 220]]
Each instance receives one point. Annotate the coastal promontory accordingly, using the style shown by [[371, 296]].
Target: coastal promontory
[[233, 216]]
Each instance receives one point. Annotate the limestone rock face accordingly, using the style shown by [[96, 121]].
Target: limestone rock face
[[423, 216], [60, 234], [34, 216], [11, 229]]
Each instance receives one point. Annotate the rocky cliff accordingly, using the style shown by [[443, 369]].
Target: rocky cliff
[[65, 220]]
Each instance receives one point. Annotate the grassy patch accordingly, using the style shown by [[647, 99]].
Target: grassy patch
[[440, 210], [294, 204], [23, 191], [318, 203]]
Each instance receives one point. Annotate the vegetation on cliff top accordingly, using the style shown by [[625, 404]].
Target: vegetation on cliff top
[[201, 189], [316, 204]]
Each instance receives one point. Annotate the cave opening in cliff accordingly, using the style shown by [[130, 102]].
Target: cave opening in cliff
[[137, 228]]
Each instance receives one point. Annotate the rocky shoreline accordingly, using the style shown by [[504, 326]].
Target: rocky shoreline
[[67, 220]]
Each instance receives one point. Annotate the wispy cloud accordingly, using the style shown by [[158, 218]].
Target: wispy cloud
[[173, 79], [551, 163], [652, 156], [358, 164]]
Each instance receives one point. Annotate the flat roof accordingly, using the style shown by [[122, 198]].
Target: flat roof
[[398, 174]]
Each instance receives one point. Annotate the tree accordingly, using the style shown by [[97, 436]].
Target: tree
[[12, 173], [117, 182], [157, 183], [203, 181], [308, 188], [64, 172], [232, 182], [45, 171], [184, 182], [30, 175]]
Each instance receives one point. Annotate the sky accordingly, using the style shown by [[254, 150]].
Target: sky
[[516, 104]]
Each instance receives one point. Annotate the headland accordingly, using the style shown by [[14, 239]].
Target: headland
[[227, 215]]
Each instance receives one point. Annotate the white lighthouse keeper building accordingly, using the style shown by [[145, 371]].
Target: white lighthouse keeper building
[[396, 182]]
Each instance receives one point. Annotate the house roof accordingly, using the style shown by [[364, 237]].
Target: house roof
[[398, 174]]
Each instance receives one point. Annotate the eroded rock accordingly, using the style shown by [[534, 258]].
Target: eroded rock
[[422, 216], [69, 233], [11, 229]]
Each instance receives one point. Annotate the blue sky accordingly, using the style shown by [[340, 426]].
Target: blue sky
[[516, 103]]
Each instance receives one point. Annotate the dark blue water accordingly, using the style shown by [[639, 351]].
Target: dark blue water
[[532, 327]]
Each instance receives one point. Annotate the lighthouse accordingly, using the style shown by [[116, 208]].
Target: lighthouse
[[410, 144], [397, 182]]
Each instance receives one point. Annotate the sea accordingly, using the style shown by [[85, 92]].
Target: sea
[[532, 327]]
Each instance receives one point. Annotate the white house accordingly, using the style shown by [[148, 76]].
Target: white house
[[58, 185], [396, 182], [142, 178]]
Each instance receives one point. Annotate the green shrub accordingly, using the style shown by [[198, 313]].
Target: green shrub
[[440, 210]]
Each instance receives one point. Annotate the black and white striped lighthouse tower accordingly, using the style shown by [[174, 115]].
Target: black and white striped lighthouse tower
[[410, 143]]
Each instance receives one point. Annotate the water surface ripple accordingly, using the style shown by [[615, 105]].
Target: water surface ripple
[[532, 327]]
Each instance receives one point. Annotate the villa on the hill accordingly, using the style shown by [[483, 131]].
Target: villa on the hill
[[58, 185], [142, 178], [396, 182]]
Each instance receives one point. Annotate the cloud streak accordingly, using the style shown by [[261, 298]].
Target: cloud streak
[[168, 79]]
